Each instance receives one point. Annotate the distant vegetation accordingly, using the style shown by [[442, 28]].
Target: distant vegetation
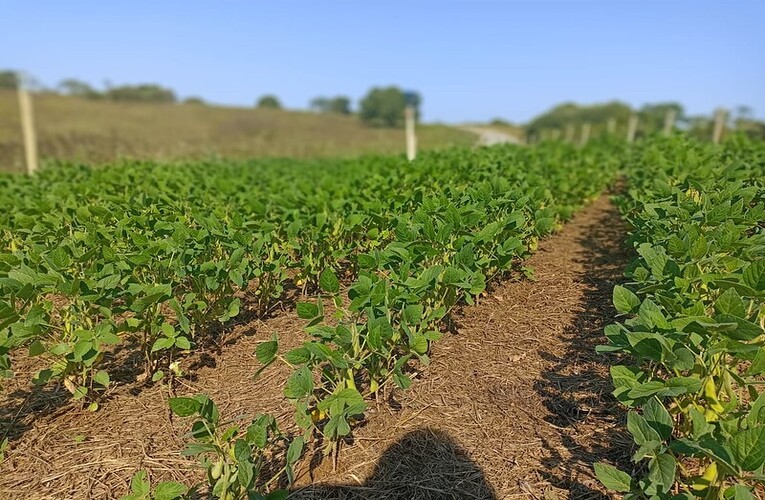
[[340, 105], [381, 107], [269, 102], [99, 131], [8, 79], [571, 116], [384, 106]]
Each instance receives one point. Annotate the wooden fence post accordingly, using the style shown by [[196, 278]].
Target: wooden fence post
[[569, 133], [632, 128], [611, 126], [411, 138], [669, 121], [585, 133], [720, 116], [27, 125]]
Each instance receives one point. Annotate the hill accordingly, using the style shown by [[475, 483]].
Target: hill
[[72, 128]]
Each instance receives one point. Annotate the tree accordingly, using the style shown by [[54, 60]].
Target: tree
[[652, 116], [8, 79], [78, 88], [384, 107], [340, 105], [194, 100], [145, 92], [572, 114], [269, 102]]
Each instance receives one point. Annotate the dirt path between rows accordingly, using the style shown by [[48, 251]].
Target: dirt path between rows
[[517, 403], [514, 404]]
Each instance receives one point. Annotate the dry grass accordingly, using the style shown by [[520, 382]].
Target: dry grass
[[100, 131]]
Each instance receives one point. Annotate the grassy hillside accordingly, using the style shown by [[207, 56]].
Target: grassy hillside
[[100, 131]]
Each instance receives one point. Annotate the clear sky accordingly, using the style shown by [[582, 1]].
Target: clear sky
[[470, 60]]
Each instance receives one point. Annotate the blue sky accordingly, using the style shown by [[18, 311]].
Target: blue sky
[[470, 60]]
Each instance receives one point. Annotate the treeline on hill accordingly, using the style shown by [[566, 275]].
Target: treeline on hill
[[381, 106], [613, 117]]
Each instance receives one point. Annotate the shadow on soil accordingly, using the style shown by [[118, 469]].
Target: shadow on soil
[[578, 386], [425, 464]]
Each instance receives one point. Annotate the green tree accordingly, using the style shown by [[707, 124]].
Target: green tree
[[340, 105], [78, 88], [146, 92], [384, 107], [652, 116], [269, 101], [8, 79], [572, 114]]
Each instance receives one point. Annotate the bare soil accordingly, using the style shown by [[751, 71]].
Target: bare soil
[[514, 404]]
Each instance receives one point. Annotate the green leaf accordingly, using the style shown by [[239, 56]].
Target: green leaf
[[157, 376], [413, 314], [612, 478], [639, 428], [758, 364], [233, 309], [328, 281], [298, 356], [661, 471], [162, 343], [80, 392], [266, 351], [169, 490], [242, 450], [651, 316], [168, 330], [245, 474], [658, 418], [101, 378], [182, 343], [36, 348], [184, 407], [730, 303], [307, 310], [748, 448], [295, 450], [624, 300], [59, 259], [300, 384], [754, 275], [739, 492], [685, 359], [647, 448], [139, 484], [277, 495]]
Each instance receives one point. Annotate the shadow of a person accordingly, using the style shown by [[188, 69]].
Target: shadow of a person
[[425, 464]]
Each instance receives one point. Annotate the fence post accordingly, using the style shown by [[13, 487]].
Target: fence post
[[411, 138], [569, 133], [632, 128], [585, 133], [27, 125], [720, 116], [611, 126], [669, 121]]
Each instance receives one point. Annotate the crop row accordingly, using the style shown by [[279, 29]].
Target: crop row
[[149, 256], [692, 343]]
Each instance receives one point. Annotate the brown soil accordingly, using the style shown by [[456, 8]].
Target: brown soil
[[514, 404]]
